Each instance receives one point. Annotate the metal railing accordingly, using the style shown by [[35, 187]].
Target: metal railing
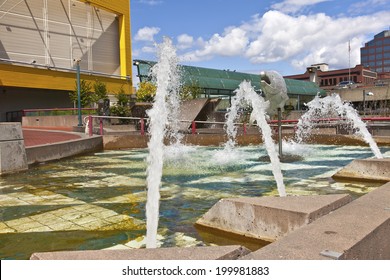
[[88, 121]]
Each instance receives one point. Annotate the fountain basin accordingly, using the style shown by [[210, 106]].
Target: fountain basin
[[359, 230], [193, 253], [374, 170], [269, 218]]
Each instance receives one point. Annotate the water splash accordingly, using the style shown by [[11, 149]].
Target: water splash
[[246, 93], [166, 78], [333, 107]]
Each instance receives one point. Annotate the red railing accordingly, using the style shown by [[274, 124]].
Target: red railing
[[194, 123]]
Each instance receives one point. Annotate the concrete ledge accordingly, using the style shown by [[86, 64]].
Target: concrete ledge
[[189, 253], [269, 218], [358, 230], [55, 151], [376, 170], [12, 150]]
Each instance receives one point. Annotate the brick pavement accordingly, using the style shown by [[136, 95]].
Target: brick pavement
[[41, 137]]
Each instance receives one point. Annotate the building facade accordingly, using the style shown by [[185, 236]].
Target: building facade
[[329, 79], [42, 40], [376, 54]]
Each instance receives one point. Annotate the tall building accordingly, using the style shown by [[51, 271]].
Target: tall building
[[42, 40], [376, 53]]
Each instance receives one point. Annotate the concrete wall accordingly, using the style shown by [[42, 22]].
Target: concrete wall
[[51, 121], [358, 230], [377, 170], [61, 150], [12, 151], [114, 142]]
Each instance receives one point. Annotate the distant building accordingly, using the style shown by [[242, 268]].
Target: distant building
[[376, 54], [329, 79]]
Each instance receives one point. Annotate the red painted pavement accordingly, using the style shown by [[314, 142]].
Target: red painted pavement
[[40, 137]]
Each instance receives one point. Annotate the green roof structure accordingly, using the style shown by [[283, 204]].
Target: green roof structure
[[225, 82]]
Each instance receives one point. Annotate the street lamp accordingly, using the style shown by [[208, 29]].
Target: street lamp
[[78, 92], [364, 99]]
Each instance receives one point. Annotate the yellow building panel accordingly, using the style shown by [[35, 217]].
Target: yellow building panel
[[34, 77], [30, 77], [122, 9]]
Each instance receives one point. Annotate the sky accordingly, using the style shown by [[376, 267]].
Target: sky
[[251, 36]]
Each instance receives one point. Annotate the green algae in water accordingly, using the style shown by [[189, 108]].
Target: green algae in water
[[193, 181]]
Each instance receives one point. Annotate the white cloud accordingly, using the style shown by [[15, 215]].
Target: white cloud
[[146, 34], [233, 42], [293, 6], [298, 40], [366, 6], [150, 2], [184, 41]]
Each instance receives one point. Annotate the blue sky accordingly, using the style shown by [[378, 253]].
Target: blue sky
[[252, 35]]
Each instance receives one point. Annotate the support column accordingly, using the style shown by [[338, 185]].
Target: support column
[[12, 150]]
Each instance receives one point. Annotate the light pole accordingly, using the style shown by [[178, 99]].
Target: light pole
[[78, 92], [364, 100]]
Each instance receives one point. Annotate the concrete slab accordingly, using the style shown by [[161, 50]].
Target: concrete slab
[[189, 110], [189, 253], [371, 169], [358, 230], [269, 218], [12, 151]]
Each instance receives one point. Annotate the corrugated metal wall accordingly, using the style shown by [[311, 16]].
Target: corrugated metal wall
[[55, 32]]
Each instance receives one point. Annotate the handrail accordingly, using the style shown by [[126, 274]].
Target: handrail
[[193, 123]]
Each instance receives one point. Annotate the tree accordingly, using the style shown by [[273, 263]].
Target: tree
[[191, 91], [86, 96], [121, 109], [146, 92], [100, 91]]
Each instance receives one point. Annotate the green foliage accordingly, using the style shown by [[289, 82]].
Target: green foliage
[[121, 109], [123, 98], [146, 92], [86, 96], [191, 91], [100, 91]]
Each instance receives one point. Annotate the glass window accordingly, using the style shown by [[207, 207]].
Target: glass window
[[371, 51], [371, 57], [379, 50], [386, 55], [386, 41], [378, 43], [364, 51], [386, 48], [379, 63], [379, 56], [364, 59]]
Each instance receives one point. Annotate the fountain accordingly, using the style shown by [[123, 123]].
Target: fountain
[[245, 92], [163, 110], [333, 106]]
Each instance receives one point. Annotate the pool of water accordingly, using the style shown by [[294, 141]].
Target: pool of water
[[98, 201]]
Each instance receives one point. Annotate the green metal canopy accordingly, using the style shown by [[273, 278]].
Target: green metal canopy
[[225, 82]]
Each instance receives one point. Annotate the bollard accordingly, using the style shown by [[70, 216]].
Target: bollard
[[142, 126], [244, 128], [193, 127], [101, 126], [90, 125]]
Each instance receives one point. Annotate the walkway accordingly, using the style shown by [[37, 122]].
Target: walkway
[[34, 137]]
